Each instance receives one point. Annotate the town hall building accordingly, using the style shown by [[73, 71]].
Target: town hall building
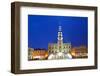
[[59, 50]]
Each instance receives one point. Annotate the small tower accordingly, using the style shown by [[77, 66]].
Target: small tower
[[60, 39]]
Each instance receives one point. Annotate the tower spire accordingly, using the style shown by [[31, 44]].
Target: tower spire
[[60, 39], [60, 28]]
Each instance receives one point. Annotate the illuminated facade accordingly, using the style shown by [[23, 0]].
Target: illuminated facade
[[53, 48], [79, 52], [37, 54], [59, 50]]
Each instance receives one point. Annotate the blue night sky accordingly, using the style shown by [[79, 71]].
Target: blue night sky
[[43, 29]]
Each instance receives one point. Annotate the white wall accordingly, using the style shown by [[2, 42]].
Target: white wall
[[5, 42]]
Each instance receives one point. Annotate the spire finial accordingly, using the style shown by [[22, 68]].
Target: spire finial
[[60, 28]]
